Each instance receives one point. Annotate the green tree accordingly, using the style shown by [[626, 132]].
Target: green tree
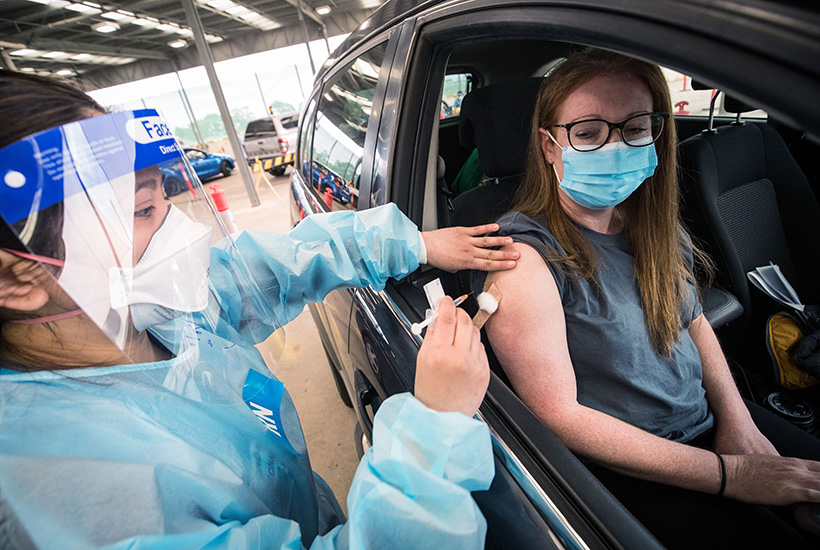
[[212, 128], [279, 107]]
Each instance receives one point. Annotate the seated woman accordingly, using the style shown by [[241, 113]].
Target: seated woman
[[621, 363]]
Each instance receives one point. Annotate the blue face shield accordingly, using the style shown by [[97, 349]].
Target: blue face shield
[[607, 176]]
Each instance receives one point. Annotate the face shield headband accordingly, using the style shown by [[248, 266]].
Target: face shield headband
[[86, 202]]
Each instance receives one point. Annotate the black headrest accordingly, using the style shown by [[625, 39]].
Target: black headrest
[[730, 104], [496, 119], [733, 105], [698, 85]]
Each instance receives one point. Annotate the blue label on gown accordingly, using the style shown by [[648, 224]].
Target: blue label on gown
[[264, 397]]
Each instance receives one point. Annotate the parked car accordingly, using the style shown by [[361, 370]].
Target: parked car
[[376, 108], [205, 164], [272, 141]]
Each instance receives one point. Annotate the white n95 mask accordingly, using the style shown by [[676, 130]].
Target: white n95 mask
[[171, 278], [83, 199]]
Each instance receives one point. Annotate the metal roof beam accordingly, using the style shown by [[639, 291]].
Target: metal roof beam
[[95, 49], [238, 45], [307, 10]]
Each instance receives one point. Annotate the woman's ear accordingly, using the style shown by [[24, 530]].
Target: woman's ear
[[547, 145], [22, 283]]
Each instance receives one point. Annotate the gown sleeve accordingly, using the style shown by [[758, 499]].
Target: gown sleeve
[[411, 490], [278, 274]]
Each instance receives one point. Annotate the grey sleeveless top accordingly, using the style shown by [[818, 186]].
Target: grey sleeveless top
[[616, 367]]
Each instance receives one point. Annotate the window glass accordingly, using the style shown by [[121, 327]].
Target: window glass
[[261, 126], [306, 140], [342, 116], [193, 154], [689, 102], [290, 122], [456, 86]]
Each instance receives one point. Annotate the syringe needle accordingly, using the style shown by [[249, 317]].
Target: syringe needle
[[417, 327]]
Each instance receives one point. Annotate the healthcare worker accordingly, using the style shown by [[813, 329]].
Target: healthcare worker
[[136, 410]]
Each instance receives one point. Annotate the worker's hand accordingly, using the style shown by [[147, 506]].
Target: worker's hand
[[452, 372], [456, 248], [772, 480]]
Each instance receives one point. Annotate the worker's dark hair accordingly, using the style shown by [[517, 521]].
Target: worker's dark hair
[[31, 104]]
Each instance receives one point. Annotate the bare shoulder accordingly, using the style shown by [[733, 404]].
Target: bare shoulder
[[529, 268], [528, 292]]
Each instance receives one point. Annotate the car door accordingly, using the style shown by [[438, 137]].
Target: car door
[[340, 124], [374, 345], [199, 162], [410, 148], [542, 493]]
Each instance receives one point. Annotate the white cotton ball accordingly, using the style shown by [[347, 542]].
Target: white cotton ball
[[487, 302]]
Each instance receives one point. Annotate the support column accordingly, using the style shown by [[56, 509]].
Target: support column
[[207, 59], [189, 110], [262, 94], [307, 36]]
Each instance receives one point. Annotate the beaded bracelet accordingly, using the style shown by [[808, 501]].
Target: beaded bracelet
[[722, 474]]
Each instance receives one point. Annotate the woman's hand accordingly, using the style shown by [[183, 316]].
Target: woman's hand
[[452, 372], [456, 248], [772, 480]]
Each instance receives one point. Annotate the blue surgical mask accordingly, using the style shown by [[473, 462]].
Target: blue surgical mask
[[607, 176]]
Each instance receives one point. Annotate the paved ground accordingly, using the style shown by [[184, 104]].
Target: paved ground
[[303, 367]]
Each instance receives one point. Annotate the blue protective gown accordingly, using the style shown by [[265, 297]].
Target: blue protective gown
[[156, 456]]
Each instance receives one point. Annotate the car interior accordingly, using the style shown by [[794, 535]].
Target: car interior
[[746, 199], [458, 99]]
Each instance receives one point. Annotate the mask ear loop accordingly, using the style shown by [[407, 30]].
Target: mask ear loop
[[49, 261], [34, 257], [555, 170]]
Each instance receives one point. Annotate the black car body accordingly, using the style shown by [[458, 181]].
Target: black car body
[[375, 114]]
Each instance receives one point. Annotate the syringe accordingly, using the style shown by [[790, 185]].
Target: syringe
[[417, 327]]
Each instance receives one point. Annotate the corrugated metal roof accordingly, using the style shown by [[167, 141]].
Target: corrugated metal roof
[[64, 36]]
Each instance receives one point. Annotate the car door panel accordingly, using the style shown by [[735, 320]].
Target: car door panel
[[381, 348]]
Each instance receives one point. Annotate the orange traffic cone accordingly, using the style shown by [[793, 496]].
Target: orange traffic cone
[[329, 198], [221, 203]]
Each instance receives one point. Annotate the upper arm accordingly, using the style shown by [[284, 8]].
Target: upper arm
[[705, 340], [528, 335]]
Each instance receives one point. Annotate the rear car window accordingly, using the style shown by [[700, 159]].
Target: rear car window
[[689, 102], [342, 117], [290, 122], [261, 126], [456, 86]]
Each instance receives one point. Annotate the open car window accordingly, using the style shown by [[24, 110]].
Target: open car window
[[456, 86], [687, 101]]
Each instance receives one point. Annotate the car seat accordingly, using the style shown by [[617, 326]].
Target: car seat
[[496, 120], [748, 203]]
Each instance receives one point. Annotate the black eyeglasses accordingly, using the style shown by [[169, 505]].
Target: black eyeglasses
[[636, 131]]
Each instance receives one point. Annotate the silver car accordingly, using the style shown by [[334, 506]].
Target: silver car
[[272, 141]]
